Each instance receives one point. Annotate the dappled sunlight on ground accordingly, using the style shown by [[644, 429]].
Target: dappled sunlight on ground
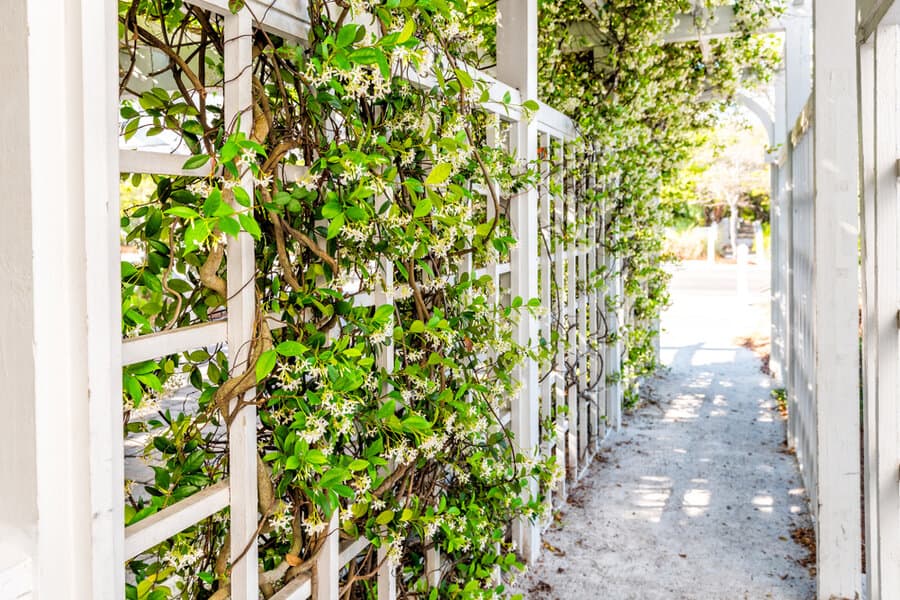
[[696, 498], [650, 498]]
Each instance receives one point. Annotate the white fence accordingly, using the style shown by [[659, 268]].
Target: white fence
[[810, 285], [567, 279], [879, 57], [801, 361]]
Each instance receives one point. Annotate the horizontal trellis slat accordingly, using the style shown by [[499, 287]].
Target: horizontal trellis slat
[[161, 526], [351, 549], [281, 17], [299, 588], [157, 163], [164, 343]]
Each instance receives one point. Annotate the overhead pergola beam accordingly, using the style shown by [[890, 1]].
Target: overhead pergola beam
[[723, 23]]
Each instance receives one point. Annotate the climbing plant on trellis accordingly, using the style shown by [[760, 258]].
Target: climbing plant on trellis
[[321, 296]]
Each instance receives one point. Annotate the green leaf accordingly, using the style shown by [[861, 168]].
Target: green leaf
[[149, 101], [335, 226], [423, 207], [464, 78], [383, 312], [229, 151], [439, 174], [347, 35], [195, 235], [409, 28], [127, 112], [291, 348], [153, 224], [183, 212], [358, 465], [195, 162], [212, 203], [133, 386], [265, 364], [194, 461], [367, 56], [241, 196], [250, 225], [416, 424], [333, 477], [229, 226], [385, 517], [531, 105], [331, 210], [387, 409], [316, 457]]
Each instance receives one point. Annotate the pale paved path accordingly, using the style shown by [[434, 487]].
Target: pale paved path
[[694, 498]]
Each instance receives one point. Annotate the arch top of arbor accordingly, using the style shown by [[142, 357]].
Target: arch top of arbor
[[765, 116]]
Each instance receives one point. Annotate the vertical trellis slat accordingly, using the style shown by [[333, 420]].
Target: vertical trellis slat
[[241, 269], [571, 322], [560, 295], [546, 275], [517, 42]]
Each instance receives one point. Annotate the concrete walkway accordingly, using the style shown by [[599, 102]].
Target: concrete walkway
[[695, 498]]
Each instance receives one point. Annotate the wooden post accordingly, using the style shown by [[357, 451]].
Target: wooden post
[[326, 569], [517, 65], [559, 268], [241, 270], [59, 259], [100, 173], [570, 328], [778, 222], [387, 579], [835, 299], [879, 96], [867, 214], [546, 274], [582, 303]]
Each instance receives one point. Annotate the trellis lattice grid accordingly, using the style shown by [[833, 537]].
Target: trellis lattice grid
[[572, 397]]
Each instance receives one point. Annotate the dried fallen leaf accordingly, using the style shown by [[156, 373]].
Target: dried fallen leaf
[[553, 549], [293, 560]]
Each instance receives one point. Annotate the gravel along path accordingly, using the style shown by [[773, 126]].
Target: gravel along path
[[696, 497]]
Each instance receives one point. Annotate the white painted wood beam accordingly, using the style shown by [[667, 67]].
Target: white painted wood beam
[[517, 64], [873, 14], [73, 296], [880, 88], [18, 498], [866, 59], [835, 299], [723, 24], [164, 343], [240, 278], [159, 527]]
